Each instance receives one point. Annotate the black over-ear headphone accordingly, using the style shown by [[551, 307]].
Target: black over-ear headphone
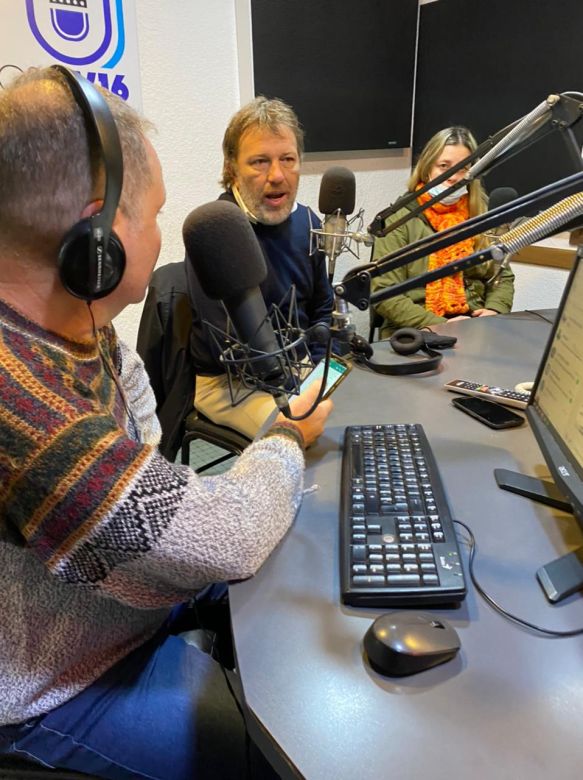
[[91, 257], [405, 341]]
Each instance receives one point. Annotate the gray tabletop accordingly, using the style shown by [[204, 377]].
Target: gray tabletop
[[510, 705]]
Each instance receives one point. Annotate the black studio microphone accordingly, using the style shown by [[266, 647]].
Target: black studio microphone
[[227, 259], [501, 196], [336, 202]]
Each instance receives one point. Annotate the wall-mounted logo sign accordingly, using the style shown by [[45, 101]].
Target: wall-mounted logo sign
[[94, 37]]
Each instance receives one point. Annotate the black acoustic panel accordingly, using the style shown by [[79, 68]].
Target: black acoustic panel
[[346, 67], [486, 64]]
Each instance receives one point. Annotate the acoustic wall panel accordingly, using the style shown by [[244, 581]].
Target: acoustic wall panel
[[347, 68], [486, 63]]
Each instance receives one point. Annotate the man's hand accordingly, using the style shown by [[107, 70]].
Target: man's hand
[[313, 425], [459, 317]]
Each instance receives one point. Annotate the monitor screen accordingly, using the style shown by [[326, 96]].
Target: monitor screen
[[556, 408]]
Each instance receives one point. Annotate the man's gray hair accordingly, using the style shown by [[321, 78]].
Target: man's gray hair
[[49, 171]]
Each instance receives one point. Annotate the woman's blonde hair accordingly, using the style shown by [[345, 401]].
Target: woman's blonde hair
[[431, 153]]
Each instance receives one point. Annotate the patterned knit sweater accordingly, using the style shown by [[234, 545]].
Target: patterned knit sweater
[[99, 535]]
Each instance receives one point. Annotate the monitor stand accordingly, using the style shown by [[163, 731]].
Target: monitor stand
[[563, 576], [537, 489]]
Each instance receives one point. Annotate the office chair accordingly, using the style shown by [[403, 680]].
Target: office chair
[[164, 346], [375, 322], [199, 427]]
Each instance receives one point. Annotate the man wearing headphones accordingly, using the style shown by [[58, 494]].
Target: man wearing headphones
[[100, 537], [262, 149]]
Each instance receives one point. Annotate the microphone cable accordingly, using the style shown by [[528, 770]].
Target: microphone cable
[[327, 358], [549, 632]]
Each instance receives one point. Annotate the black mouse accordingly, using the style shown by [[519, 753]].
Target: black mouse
[[401, 643]]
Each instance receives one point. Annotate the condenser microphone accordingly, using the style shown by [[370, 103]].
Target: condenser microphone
[[336, 202], [228, 262], [501, 196]]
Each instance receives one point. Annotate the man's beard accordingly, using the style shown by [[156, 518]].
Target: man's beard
[[258, 209]]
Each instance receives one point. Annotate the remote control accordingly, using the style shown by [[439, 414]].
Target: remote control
[[498, 394]]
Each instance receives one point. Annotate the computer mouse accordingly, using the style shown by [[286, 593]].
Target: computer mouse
[[402, 643]]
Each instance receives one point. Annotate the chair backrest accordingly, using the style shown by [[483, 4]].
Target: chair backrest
[[164, 346], [375, 321]]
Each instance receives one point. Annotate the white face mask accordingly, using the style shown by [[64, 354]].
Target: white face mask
[[450, 199]]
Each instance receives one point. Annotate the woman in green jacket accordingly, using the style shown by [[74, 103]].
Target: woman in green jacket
[[471, 293]]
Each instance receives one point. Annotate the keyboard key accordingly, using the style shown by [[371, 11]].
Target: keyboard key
[[403, 579], [371, 579]]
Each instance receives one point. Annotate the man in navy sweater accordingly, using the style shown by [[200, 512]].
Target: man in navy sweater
[[262, 150]]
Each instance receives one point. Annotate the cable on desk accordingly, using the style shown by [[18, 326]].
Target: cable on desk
[[494, 604]]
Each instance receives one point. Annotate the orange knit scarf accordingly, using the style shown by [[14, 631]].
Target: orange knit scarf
[[447, 297]]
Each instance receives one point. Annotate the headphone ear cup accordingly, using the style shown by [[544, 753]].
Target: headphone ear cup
[[79, 272], [407, 341], [404, 341]]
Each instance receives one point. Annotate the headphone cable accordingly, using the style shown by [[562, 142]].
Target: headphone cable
[[113, 374]]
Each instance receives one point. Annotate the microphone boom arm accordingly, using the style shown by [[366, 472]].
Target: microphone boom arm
[[355, 287], [491, 253], [561, 112]]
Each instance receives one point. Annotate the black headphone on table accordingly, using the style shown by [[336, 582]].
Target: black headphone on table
[[91, 257], [405, 341]]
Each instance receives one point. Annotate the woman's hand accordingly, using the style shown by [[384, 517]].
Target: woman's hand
[[483, 313]]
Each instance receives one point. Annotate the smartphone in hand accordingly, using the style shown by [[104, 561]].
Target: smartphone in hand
[[491, 414], [338, 370]]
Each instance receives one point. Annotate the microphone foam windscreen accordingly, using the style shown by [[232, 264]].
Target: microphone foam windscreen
[[223, 250], [337, 191], [501, 196]]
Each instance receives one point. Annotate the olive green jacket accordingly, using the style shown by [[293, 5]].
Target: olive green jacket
[[408, 310]]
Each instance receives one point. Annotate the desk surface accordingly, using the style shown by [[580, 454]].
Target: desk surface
[[510, 705]]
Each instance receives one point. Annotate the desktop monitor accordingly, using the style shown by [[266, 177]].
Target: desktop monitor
[[555, 411]]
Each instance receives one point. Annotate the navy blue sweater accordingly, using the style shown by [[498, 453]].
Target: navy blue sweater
[[286, 248]]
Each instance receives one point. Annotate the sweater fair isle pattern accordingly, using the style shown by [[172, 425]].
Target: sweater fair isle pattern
[[99, 535]]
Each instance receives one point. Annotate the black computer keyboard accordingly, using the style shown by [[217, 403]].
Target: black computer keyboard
[[397, 546]]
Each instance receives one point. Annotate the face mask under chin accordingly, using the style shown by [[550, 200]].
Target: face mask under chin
[[450, 199]]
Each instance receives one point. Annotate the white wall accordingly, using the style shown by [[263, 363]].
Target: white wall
[[537, 287], [192, 80], [188, 56]]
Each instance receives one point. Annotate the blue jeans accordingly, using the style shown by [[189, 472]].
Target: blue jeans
[[164, 712]]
